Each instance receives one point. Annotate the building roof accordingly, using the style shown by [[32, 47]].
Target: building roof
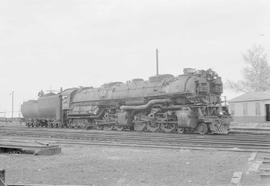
[[252, 96]]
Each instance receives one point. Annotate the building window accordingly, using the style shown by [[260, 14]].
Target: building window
[[232, 107], [258, 110], [245, 109]]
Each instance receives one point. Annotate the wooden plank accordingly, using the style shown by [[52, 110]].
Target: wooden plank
[[36, 148]]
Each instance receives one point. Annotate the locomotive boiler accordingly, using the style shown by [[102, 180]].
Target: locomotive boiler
[[190, 102]]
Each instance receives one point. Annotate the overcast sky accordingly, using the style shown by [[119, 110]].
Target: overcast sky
[[48, 44]]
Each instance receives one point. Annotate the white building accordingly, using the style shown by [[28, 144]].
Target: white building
[[251, 107]]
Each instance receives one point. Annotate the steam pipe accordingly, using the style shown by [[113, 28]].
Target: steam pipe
[[142, 107]]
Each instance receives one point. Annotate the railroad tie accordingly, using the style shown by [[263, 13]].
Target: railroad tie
[[266, 161], [265, 171]]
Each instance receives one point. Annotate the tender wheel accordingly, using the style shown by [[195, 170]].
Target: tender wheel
[[168, 127], [17, 152], [14, 152], [152, 126], [118, 128], [202, 128], [99, 127], [107, 127], [139, 126], [180, 130]]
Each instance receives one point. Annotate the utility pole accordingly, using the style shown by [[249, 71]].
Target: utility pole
[[157, 61], [12, 103]]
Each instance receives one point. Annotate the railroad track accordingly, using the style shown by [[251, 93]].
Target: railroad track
[[237, 130], [237, 142]]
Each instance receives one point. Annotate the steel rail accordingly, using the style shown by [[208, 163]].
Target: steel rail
[[188, 140], [247, 138], [127, 133], [228, 147]]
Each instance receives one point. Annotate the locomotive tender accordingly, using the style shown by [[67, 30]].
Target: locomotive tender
[[190, 102]]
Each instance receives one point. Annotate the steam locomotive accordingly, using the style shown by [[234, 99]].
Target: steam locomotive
[[188, 103]]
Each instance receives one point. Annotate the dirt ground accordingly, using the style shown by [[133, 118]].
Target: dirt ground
[[92, 165]]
